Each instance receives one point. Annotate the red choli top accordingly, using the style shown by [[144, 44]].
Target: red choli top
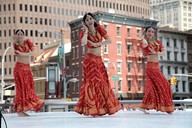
[[157, 48], [26, 47], [100, 34]]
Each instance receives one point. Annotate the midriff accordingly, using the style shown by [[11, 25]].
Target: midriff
[[95, 51], [23, 59], [152, 58]]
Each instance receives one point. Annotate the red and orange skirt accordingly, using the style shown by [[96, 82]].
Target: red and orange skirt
[[96, 95], [25, 99], [158, 94]]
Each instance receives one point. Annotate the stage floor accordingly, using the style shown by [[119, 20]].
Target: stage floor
[[122, 119]]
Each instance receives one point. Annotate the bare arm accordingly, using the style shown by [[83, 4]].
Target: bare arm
[[31, 53], [84, 39]]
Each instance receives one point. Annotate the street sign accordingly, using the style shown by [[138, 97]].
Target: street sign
[[115, 78]]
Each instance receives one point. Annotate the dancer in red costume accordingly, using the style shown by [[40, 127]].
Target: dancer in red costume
[[25, 99], [96, 96], [158, 93]]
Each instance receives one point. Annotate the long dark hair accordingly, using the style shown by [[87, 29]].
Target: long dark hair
[[90, 14], [149, 28], [18, 31]]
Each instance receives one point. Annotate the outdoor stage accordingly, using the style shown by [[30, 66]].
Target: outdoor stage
[[122, 119]]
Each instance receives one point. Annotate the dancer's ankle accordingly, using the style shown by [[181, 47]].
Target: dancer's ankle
[[22, 114], [143, 110]]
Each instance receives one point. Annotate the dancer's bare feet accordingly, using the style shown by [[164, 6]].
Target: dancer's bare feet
[[143, 110], [22, 114], [169, 113]]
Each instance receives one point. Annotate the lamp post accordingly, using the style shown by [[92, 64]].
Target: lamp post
[[2, 73], [65, 89]]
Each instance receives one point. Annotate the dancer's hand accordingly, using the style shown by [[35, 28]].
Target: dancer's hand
[[152, 50], [17, 52], [84, 27], [93, 44]]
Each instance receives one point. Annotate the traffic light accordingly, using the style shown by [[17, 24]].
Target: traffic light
[[173, 80]]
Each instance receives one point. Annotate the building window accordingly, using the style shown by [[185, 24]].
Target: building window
[[183, 84], [10, 71], [31, 33], [77, 52], [26, 32], [41, 21], [41, 45], [169, 70], [129, 66], [140, 85], [128, 32], [129, 85], [13, 19], [161, 68], [20, 6], [36, 20], [119, 49], [168, 55], [25, 7], [40, 9], [50, 23], [119, 67], [138, 33], [77, 69], [45, 9], [168, 43], [13, 7], [31, 8], [31, 20], [45, 21], [73, 51], [120, 85], [35, 8], [105, 48], [175, 56], [176, 88], [129, 48], [182, 57], [176, 70], [83, 50], [26, 20], [9, 20], [50, 10], [183, 70], [182, 43], [5, 34], [118, 31], [175, 43]]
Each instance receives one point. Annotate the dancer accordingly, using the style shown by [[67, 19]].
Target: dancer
[[25, 99], [96, 96], [158, 93]]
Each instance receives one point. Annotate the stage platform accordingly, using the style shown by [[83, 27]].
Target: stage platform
[[122, 119]]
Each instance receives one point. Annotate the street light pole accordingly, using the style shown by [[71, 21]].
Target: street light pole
[[64, 77], [2, 74], [71, 80]]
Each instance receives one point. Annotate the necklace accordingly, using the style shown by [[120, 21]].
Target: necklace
[[93, 32]]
